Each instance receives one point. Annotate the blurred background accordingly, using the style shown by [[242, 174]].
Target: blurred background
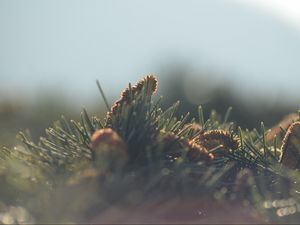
[[218, 53]]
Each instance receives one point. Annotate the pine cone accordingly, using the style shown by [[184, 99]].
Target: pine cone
[[110, 150], [290, 150]]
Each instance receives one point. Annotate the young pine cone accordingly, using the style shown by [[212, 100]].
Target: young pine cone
[[175, 147], [110, 151], [218, 138], [148, 86], [197, 153], [284, 123], [290, 150]]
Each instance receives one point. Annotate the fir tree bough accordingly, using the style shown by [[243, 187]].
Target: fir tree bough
[[79, 169]]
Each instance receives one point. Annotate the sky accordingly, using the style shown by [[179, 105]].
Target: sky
[[63, 46], [285, 10]]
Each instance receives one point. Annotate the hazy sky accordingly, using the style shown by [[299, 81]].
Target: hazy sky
[[286, 10], [67, 44]]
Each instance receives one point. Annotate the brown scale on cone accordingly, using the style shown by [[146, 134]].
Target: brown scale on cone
[[129, 93], [218, 138], [110, 147], [197, 153], [151, 88], [106, 136], [284, 123], [290, 150]]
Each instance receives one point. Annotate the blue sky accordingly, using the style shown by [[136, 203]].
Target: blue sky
[[64, 45]]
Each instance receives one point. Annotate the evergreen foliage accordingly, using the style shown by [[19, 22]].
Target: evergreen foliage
[[79, 168]]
